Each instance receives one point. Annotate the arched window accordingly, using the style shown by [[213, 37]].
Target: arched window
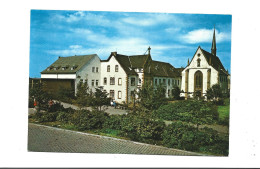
[[198, 62], [198, 80], [108, 68], [116, 68]]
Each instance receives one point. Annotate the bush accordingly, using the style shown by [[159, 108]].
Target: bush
[[64, 117], [86, 120], [189, 111], [140, 128], [55, 107], [113, 122], [186, 137], [46, 116]]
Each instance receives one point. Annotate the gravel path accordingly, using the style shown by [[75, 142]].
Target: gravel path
[[49, 139]]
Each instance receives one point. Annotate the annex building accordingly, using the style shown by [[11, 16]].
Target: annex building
[[122, 75]]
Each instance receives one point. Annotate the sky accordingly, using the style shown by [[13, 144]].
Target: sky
[[173, 38]]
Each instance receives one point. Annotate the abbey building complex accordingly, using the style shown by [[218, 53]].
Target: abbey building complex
[[122, 75]]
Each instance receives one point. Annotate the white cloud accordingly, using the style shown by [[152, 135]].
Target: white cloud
[[204, 35], [148, 19]]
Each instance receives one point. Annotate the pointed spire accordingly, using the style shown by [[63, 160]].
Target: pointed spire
[[188, 61], [213, 47], [149, 51]]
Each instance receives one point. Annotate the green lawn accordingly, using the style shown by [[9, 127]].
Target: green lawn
[[224, 113]]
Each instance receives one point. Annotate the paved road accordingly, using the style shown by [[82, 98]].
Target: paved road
[[50, 139]]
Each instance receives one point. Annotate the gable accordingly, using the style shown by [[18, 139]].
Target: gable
[[206, 60]]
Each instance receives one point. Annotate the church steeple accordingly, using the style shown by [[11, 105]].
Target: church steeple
[[213, 47]]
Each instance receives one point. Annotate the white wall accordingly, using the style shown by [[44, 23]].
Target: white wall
[[120, 74], [86, 73], [58, 76]]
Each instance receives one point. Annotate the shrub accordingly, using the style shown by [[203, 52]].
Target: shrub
[[113, 122], [186, 137], [197, 112], [46, 116], [141, 128], [55, 107], [86, 120], [64, 117]]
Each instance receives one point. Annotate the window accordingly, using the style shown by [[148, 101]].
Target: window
[[105, 81], [198, 62], [139, 80], [132, 81], [119, 81], [96, 82], [116, 68], [96, 69], [178, 81], [108, 68], [112, 94], [119, 95], [169, 82], [93, 82], [168, 92], [164, 81], [155, 82], [93, 69], [112, 80]]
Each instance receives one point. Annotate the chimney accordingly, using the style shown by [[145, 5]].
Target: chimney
[[114, 53]]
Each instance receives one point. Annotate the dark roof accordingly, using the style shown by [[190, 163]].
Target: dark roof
[[76, 62], [161, 69], [215, 61], [138, 61], [125, 63]]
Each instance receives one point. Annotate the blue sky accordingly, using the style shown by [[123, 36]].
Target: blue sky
[[173, 37]]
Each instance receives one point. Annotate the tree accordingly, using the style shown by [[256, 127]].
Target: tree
[[40, 96], [151, 97], [100, 98], [176, 93], [214, 93], [83, 96]]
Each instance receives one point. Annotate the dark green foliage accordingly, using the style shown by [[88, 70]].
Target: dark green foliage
[[64, 117], [113, 122], [151, 98], [40, 96], [31, 102], [186, 137], [214, 93], [176, 93], [55, 107], [46, 116], [86, 120], [141, 128], [83, 96], [196, 112], [100, 98]]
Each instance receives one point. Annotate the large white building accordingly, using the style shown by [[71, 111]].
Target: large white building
[[120, 75]]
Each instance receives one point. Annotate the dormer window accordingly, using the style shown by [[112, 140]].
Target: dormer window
[[198, 62], [64, 67], [48, 69], [73, 67]]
